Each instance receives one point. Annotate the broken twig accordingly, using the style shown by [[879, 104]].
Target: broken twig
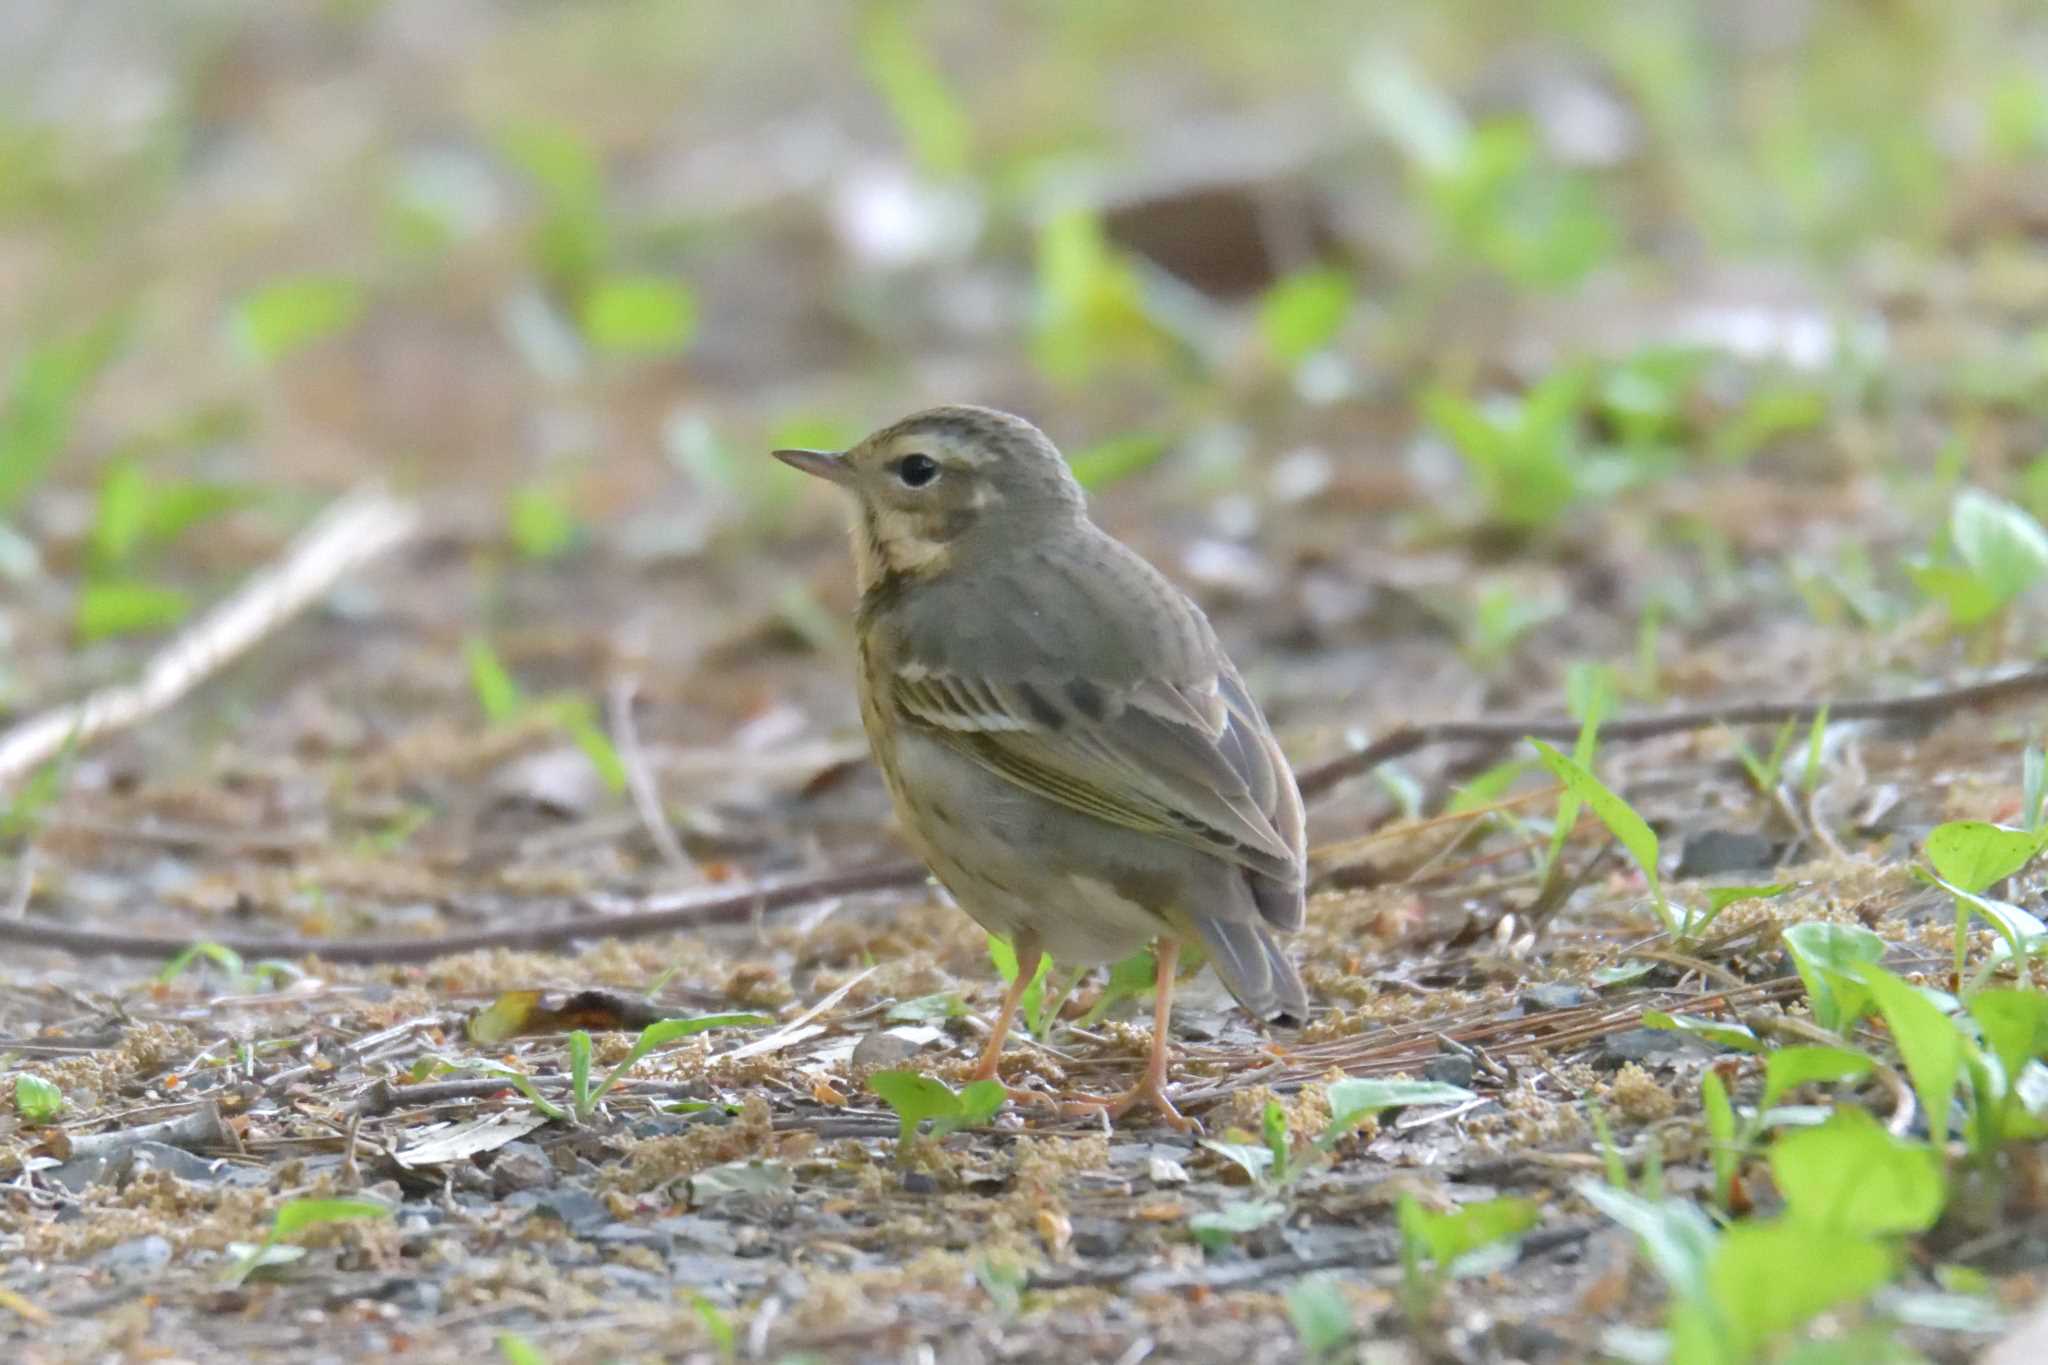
[[351, 533]]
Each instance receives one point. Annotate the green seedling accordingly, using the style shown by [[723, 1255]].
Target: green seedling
[[1524, 455], [295, 1216], [49, 380], [638, 316], [1354, 1101], [287, 316], [1996, 551], [725, 1338], [658, 1034], [540, 522], [1630, 828], [919, 1099], [503, 702], [1766, 772], [1093, 314], [1321, 1317], [1829, 959], [1929, 1043], [435, 1064], [1040, 1004], [1218, 1228], [517, 1350], [1439, 1247], [1134, 977], [1302, 313], [933, 121], [37, 1101], [1724, 1144]]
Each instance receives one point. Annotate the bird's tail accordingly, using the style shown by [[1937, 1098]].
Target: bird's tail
[[1255, 968]]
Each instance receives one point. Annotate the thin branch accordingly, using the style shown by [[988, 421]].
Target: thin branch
[[695, 908], [656, 915], [351, 533], [1406, 739]]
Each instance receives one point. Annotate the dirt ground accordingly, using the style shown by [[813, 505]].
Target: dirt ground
[[610, 525]]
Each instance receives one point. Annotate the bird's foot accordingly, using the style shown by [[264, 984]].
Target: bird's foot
[[1150, 1091]]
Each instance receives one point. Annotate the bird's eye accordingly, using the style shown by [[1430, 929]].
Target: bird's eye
[[917, 470]]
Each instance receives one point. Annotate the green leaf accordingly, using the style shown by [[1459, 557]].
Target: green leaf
[[577, 717], [1927, 1040], [434, 1063], [295, 1216], [1724, 1147], [35, 421], [118, 607], [1678, 1238], [639, 315], [1091, 312], [1770, 1276], [1852, 1175], [1828, 958], [1301, 314], [1105, 462], [976, 1104], [123, 515], [2001, 543], [1450, 1237], [1032, 1002], [289, 315], [36, 1100], [1255, 1161], [1279, 1141], [579, 1073], [1619, 817], [222, 956], [1737, 1036], [667, 1031], [517, 1350], [1976, 855], [1132, 977], [1355, 1100], [717, 1324], [1214, 1230], [1719, 898], [917, 1097], [2014, 1024], [1321, 1316], [925, 1009], [1788, 1068], [931, 119], [540, 522], [496, 692]]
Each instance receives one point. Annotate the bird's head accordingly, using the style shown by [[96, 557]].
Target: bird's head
[[938, 477]]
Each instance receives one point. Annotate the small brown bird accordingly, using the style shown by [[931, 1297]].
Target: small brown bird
[[1068, 747]]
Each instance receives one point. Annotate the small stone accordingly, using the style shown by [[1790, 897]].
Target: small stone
[[1652, 1046], [1450, 1068], [521, 1166], [1715, 852], [920, 1182], [579, 1210], [136, 1256], [1554, 995]]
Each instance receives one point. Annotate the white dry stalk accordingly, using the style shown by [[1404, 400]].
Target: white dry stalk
[[641, 784], [355, 530]]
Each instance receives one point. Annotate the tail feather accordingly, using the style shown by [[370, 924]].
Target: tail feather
[[1255, 968]]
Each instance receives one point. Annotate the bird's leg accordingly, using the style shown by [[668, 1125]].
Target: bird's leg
[[1151, 1088], [989, 1067]]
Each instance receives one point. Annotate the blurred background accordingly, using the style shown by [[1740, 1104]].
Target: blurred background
[[1436, 347]]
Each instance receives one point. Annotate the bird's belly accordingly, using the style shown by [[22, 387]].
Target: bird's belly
[[1014, 860]]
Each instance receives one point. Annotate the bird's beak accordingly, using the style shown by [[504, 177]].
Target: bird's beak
[[829, 465]]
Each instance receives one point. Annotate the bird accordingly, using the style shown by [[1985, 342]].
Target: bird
[[1067, 746]]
